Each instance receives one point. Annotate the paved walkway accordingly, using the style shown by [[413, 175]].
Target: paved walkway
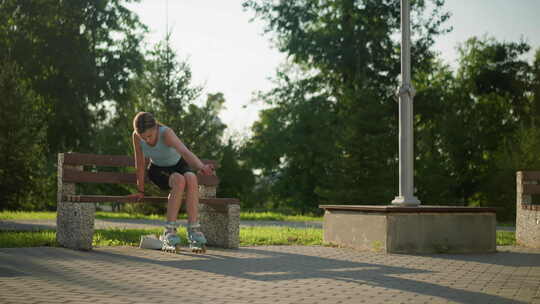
[[274, 274]]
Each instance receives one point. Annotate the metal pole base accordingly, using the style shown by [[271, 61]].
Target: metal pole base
[[406, 201]]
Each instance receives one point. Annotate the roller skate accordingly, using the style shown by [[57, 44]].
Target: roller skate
[[196, 239], [171, 241]]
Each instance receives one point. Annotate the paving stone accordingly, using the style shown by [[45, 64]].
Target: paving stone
[[272, 274]]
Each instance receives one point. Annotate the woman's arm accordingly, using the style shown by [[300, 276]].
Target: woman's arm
[[139, 162], [194, 162]]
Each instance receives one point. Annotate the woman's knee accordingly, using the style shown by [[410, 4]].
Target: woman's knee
[[177, 181], [191, 180]]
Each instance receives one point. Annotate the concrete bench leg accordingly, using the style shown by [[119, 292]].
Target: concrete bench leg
[[74, 221], [527, 220], [221, 225], [75, 225]]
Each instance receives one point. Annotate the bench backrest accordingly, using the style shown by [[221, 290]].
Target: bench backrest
[[71, 167], [527, 185], [528, 182]]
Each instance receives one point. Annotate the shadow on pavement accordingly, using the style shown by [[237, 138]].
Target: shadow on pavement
[[258, 265]]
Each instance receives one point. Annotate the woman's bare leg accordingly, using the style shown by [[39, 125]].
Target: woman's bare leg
[[177, 182], [192, 197]]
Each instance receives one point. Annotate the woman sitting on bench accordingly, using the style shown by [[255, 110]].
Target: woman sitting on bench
[[170, 169]]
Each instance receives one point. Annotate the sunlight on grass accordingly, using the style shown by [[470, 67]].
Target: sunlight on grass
[[253, 236], [249, 236], [28, 239], [506, 238], [246, 216], [123, 237], [275, 216], [27, 215]]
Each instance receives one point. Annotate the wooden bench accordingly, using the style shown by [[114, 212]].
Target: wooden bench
[[219, 217], [527, 213]]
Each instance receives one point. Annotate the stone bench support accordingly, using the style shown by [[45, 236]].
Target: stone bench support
[[220, 224], [527, 214]]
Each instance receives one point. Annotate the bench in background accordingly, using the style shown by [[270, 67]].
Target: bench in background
[[527, 213], [219, 217]]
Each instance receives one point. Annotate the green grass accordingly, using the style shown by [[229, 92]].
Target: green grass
[[246, 216], [506, 238], [249, 236], [275, 216], [255, 236], [27, 239], [124, 215], [27, 215]]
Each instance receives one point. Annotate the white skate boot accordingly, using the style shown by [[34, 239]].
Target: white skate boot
[[196, 239], [171, 240]]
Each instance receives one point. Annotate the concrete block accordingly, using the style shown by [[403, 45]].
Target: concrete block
[[441, 233], [351, 229], [411, 229]]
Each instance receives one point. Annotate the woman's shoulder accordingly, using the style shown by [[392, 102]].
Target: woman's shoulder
[[164, 129]]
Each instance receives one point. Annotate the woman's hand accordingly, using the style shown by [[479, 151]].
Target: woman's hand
[[207, 169], [136, 196]]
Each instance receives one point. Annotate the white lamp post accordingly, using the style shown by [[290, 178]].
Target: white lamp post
[[406, 93]]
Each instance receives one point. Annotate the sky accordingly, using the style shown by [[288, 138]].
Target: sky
[[228, 53]]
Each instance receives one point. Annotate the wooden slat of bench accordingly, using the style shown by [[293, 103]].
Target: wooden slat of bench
[[147, 199], [530, 207], [530, 175], [76, 176], [81, 159], [77, 159], [531, 189]]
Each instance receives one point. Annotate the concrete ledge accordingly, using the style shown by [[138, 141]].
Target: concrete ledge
[[422, 229], [404, 209]]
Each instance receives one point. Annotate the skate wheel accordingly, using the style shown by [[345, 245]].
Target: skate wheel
[[198, 250]]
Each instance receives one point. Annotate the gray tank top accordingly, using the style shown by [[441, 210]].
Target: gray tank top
[[161, 154]]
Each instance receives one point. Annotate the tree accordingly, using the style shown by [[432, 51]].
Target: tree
[[76, 55], [339, 115], [488, 106], [473, 127], [71, 57], [518, 152], [22, 117], [236, 179], [165, 88], [435, 175]]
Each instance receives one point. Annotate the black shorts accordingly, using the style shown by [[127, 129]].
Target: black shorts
[[160, 175]]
